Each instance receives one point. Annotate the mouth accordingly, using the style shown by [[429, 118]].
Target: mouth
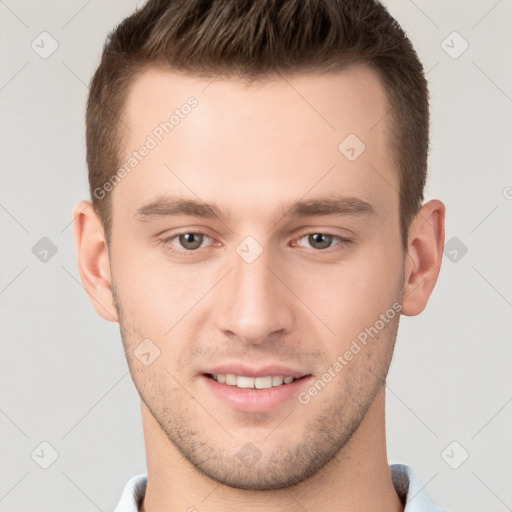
[[248, 394], [247, 382]]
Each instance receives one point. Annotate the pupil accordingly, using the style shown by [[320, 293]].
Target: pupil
[[314, 239], [187, 240]]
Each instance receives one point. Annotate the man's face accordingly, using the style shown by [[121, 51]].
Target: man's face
[[257, 291]]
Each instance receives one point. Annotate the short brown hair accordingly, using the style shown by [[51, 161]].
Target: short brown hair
[[253, 40]]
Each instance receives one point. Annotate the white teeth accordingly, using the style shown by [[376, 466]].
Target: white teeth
[[242, 381], [262, 382], [277, 381], [245, 382], [230, 379]]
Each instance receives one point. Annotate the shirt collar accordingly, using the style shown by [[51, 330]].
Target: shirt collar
[[408, 487], [411, 491]]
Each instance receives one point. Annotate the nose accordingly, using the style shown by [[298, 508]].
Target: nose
[[254, 304]]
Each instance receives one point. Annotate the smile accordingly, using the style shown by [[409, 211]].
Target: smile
[[243, 381]]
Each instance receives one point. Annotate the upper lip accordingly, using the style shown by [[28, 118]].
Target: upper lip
[[262, 371]]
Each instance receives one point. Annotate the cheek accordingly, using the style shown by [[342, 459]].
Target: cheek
[[350, 295], [155, 294], [346, 295]]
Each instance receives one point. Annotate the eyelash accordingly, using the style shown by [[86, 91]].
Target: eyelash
[[342, 242]]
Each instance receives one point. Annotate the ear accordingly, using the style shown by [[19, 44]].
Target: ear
[[424, 255], [93, 259]]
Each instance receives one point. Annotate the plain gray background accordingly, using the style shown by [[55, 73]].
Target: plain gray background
[[64, 379]]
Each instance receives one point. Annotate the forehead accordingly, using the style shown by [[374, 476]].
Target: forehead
[[217, 137], [331, 101]]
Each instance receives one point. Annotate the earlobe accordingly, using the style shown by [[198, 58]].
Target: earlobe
[[424, 257], [93, 259]]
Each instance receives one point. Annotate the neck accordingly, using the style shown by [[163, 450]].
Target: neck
[[358, 478]]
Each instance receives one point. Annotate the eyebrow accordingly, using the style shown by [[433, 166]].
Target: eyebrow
[[167, 206]]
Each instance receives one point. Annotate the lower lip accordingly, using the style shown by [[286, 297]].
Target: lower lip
[[254, 400]]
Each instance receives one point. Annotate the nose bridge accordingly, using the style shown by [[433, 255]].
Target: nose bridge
[[254, 303]]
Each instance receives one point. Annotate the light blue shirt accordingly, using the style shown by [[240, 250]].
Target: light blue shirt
[[407, 486]]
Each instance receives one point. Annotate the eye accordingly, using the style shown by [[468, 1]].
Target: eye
[[189, 241], [322, 241]]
